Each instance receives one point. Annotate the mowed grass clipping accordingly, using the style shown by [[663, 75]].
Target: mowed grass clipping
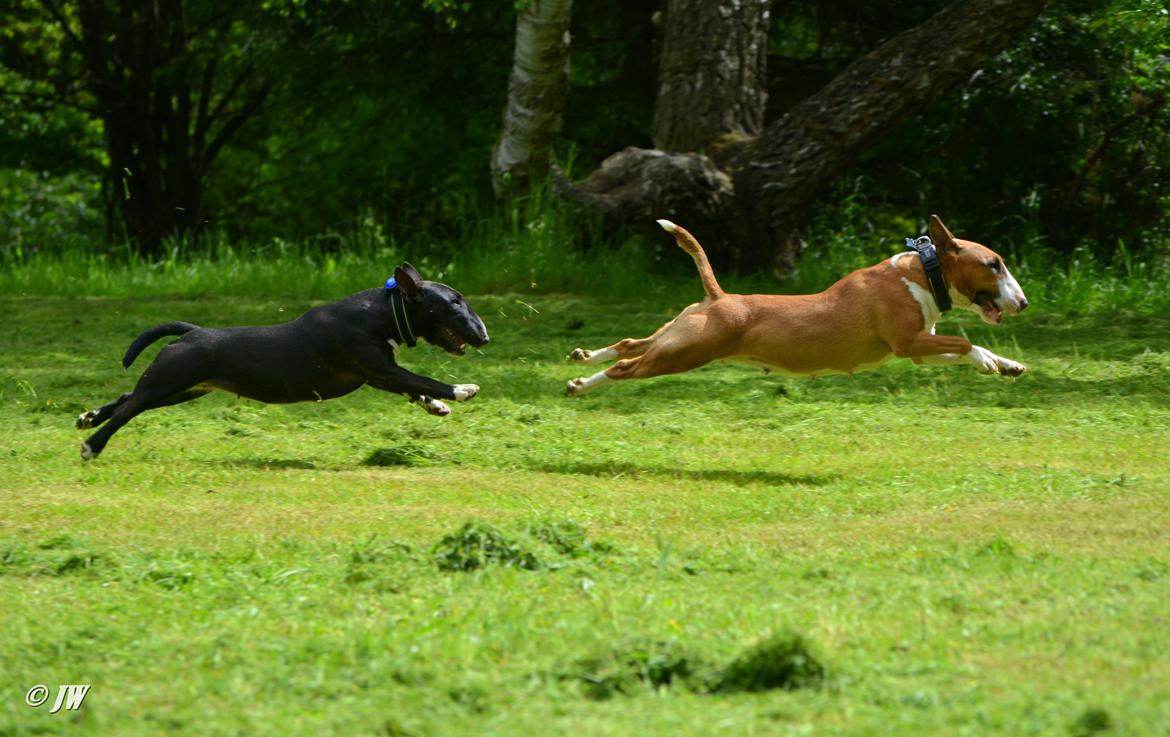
[[908, 551]]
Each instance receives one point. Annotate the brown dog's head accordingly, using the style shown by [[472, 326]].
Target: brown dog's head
[[978, 278]]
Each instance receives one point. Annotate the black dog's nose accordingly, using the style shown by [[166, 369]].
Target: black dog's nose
[[1023, 304]]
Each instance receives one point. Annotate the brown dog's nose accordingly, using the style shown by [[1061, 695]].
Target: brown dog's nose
[[1023, 303]]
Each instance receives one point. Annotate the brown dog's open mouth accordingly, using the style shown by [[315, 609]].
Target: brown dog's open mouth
[[988, 310], [990, 313], [454, 344]]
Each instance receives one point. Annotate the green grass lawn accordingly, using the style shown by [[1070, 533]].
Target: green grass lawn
[[965, 555]]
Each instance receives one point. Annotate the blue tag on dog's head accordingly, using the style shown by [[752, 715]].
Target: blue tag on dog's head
[[391, 283]]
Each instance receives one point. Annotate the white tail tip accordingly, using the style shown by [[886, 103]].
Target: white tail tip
[[668, 226]]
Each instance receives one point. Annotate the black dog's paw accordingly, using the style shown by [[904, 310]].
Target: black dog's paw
[[433, 406], [463, 392], [85, 419]]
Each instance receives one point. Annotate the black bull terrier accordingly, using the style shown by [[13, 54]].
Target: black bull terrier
[[327, 352]]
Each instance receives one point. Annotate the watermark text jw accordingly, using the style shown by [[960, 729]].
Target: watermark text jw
[[69, 695]]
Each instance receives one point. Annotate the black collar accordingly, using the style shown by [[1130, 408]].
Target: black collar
[[401, 321], [933, 269]]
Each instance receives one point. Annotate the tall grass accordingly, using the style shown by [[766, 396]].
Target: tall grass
[[537, 244]]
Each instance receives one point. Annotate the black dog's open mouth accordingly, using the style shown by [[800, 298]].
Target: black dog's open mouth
[[452, 342]]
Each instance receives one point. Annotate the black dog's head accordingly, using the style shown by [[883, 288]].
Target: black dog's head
[[438, 313]]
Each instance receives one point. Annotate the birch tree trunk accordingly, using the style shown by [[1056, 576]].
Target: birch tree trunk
[[536, 95], [747, 199]]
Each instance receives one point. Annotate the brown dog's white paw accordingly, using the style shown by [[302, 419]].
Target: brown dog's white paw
[[577, 387], [1008, 367], [983, 360], [581, 355]]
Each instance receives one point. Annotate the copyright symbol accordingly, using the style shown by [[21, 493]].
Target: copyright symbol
[[37, 695]]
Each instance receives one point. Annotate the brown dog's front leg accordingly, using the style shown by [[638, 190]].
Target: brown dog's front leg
[[946, 349], [925, 344]]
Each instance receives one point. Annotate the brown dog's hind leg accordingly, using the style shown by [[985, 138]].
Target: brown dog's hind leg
[[630, 347], [624, 348], [681, 350]]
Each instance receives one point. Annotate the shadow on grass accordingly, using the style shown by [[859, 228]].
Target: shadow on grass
[[269, 463], [1036, 389], [733, 476]]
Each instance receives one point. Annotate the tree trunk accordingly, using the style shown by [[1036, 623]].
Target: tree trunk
[[749, 202], [536, 95], [712, 74], [161, 134], [782, 173]]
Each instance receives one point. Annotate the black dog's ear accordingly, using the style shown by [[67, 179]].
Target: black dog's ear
[[944, 239], [408, 280]]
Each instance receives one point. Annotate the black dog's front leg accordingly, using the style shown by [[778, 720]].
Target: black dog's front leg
[[423, 390]]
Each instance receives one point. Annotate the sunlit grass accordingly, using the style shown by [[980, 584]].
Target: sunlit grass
[[965, 554]]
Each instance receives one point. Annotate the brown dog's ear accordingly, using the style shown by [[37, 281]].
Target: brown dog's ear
[[408, 280], [944, 239]]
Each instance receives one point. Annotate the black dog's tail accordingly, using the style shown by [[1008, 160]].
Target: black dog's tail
[[153, 334]]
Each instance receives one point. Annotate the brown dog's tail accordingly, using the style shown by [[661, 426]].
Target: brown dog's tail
[[687, 242]]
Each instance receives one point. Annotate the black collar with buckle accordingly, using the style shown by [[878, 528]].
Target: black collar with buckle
[[932, 267], [397, 305]]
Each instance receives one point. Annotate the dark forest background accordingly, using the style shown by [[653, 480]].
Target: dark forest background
[[130, 126]]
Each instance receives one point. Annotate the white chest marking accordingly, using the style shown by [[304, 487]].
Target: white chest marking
[[925, 300]]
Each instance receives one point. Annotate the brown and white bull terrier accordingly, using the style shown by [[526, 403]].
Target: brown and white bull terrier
[[860, 322]]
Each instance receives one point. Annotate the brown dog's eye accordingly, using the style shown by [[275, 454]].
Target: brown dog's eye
[[994, 266]]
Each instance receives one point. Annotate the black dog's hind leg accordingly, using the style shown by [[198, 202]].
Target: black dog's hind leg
[[125, 409], [175, 376], [95, 417]]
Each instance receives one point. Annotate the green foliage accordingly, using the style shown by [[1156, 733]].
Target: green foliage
[[378, 118], [44, 214], [1060, 144], [522, 252]]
